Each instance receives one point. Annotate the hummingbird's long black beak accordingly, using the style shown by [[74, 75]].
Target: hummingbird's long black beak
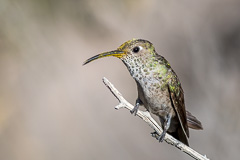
[[115, 53]]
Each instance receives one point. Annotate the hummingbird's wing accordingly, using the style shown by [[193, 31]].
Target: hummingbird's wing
[[177, 99], [176, 95]]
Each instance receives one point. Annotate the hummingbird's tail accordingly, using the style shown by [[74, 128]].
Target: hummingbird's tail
[[180, 135], [193, 122]]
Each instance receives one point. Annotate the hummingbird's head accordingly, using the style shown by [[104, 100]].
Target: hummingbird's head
[[132, 52]]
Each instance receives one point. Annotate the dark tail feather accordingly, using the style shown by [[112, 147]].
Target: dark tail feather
[[193, 122], [180, 135]]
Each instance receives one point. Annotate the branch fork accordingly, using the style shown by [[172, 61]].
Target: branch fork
[[145, 115]]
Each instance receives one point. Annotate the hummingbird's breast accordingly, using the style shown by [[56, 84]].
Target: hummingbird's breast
[[152, 89], [155, 95]]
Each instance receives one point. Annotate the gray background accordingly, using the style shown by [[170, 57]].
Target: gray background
[[53, 108]]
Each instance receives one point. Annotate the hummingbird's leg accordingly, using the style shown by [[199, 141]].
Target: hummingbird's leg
[[166, 126], [135, 109]]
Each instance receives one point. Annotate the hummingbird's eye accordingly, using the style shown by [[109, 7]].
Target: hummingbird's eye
[[136, 49]]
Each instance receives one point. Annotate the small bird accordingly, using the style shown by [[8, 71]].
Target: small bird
[[159, 89]]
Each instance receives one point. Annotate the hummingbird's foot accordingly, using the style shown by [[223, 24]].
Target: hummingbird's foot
[[161, 137], [166, 125], [135, 109]]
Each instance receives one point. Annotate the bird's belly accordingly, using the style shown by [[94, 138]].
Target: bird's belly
[[157, 100], [160, 105]]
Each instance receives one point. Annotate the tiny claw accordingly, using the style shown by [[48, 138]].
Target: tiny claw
[[132, 111], [155, 134], [161, 137], [135, 109]]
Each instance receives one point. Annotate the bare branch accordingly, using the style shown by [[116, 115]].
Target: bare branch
[[152, 123]]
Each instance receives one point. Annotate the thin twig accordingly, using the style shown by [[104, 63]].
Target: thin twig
[[152, 123]]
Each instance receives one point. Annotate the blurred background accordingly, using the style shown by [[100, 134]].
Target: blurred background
[[53, 108]]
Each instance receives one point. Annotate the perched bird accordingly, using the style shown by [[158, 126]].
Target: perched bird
[[159, 89]]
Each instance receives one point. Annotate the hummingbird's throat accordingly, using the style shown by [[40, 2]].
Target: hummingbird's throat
[[139, 69], [134, 65]]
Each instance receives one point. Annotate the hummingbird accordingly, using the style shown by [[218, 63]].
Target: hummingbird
[[159, 88]]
